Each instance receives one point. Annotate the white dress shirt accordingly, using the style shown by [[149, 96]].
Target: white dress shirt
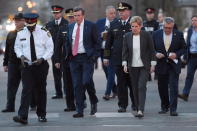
[[81, 48], [58, 21], [42, 41], [136, 60]]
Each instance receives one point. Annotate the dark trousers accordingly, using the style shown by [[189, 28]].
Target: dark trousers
[[123, 83], [34, 79], [82, 69], [14, 78], [110, 76], [57, 74], [165, 82], [68, 85], [191, 69], [139, 77]]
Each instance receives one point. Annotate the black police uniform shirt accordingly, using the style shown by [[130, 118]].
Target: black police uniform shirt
[[151, 26]]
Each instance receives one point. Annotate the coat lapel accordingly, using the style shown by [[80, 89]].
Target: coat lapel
[[162, 39], [173, 40]]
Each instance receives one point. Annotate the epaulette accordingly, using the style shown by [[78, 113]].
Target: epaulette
[[20, 30], [44, 28]]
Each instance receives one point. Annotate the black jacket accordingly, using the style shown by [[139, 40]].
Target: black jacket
[[10, 55], [114, 42], [55, 31]]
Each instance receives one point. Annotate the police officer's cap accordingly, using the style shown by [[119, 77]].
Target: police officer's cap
[[124, 6], [56, 9], [31, 16], [69, 12], [18, 16], [150, 10]]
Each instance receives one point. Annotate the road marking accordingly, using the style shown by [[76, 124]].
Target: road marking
[[49, 115], [123, 125], [113, 114], [188, 115]]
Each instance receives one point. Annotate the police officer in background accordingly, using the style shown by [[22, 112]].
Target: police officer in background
[[62, 63], [150, 24], [34, 46], [113, 52], [54, 27], [69, 15], [11, 64]]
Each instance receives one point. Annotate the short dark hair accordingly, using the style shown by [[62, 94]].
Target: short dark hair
[[193, 16], [76, 9]]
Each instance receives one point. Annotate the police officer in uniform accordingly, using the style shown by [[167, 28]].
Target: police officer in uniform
[[12, 64], [34, 46], [70, 15], [113, 51], [54, 27], [150, 24], [62, 63]]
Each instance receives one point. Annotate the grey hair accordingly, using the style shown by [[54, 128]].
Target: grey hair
[[168, 20], [136, 19], [109, 7]]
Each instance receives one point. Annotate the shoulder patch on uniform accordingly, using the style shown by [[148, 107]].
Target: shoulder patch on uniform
[[44, 28], [49, 34], [20, 29]]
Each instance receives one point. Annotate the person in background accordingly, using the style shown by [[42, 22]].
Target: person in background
[[103, 26], [190, 58], [54, 27], [70, 15], [113, 53], [150, 24], [12, 64]]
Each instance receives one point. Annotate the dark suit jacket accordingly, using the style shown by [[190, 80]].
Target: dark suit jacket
[[90, 40], [101, 26], [55, 32], [147, 52], [114, 42], [177, 46], [189, 34]]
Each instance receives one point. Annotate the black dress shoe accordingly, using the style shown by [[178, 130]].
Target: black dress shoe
[[93, 109], [163, 111], [69, 109], [20, 120], [57, 97], [173, 113], [78, 115], [8, 110], [42, 119], [121, 110], [106, 97]]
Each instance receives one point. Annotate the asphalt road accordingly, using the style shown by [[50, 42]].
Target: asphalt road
[[107, 118]]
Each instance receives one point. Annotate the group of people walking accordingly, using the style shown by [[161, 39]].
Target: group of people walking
[[130, 49]]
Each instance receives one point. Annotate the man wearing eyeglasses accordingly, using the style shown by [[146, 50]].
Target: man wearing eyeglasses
[[169, 45]]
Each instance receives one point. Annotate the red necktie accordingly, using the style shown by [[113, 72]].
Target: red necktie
[[76, 43]]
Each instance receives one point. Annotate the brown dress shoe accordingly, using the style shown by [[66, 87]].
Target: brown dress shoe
[[183, 97]]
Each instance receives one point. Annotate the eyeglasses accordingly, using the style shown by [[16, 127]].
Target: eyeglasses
[[169, 28]]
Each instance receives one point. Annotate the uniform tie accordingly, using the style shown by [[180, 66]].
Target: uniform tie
[[32, 48], [76, 43]]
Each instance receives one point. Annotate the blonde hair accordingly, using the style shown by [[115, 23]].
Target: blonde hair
[[136, 19]]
